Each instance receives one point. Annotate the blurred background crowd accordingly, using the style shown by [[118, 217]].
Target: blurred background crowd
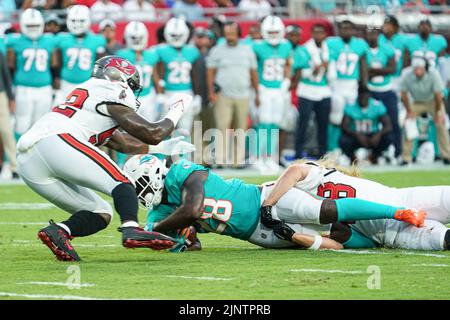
[[365, 79]]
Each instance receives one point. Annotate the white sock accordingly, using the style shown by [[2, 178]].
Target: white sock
[[62, 225], [130, 224]]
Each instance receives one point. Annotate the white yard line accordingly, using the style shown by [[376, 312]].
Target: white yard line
[[26, 206], [431, 265], [23, 223], [200, 278], [62, 284], [327, 271], [47, 296], [406, 253]]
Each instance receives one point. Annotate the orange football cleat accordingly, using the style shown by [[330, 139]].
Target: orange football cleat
[[412, 216]]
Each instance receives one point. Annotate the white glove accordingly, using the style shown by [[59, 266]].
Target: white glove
[[178, 104], [286, 84], [197, 104], [172, 147]]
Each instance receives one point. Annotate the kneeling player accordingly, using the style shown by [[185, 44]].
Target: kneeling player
[[188, 194], [59, 157]]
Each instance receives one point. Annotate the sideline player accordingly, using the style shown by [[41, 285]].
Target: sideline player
[[187, 194], [59, 157]]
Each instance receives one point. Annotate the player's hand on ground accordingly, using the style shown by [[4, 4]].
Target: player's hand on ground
[[174, 146]]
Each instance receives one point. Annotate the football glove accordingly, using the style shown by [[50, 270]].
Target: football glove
[[283, 231], [266, 217]]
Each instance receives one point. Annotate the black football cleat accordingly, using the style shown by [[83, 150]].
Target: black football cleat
[[135, 237], [58, 241]]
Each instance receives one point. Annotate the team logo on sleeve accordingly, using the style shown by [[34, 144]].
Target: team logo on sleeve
[[123, 95]]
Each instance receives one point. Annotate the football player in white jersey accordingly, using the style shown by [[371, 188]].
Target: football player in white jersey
[[322, 178], [59, 157]]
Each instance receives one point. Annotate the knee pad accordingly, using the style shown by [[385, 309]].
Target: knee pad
[[125, 201]]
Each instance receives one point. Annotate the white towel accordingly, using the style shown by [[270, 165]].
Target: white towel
[[318, 54]]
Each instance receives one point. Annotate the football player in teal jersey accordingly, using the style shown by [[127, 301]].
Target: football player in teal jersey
[[77, 50], [361, 127], [29, 59], [2, 45], [188, 194], [432, 45], [274, 55], [176, 68], [381, 67], [136, 38]]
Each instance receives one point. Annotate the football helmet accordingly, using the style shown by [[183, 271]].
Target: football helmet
[[176, 32], [148, 173], [32, 24], [272, 30], [136, 35], [114, 68], [78, 20]]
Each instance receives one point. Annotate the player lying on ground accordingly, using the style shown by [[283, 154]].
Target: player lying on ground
[[188, 194], [59, 157], [322, 178]]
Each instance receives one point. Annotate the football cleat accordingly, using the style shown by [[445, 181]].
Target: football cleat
[[412, 216], [58, 241], [135, 237]]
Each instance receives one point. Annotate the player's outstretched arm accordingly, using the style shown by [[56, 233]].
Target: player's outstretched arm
[[288, 179], [148, 132], [315, 242], [191, 209]]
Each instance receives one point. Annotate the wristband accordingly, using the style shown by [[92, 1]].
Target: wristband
[[317, 243]]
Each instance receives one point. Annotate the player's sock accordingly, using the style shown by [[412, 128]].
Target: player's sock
[[447, 240], [84, 223], [126, 202], [357, 240], [352, 209]]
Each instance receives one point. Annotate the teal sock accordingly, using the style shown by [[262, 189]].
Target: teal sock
[[352, 209], [358, 241]]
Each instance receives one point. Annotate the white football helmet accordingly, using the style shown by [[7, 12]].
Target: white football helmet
[[176, 32], [32, 23], [147, 173], [272, 30], [78, 20], [136, 35]]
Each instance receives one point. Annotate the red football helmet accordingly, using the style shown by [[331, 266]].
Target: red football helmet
[[115, 68]]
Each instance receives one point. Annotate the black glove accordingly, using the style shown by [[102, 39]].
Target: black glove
[[266, 217], [283, 231]]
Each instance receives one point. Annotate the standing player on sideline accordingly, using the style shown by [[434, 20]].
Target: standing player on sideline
[[349, 52], [136, 37], [176, 68], [90, 117], [77, 50], [187, 194], [274, 55], [29, 59]]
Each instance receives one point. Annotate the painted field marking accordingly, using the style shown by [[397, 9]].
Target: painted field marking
[[431, 265], [406, 253], [26, 206], [327, 271], [24, 223], [200, 278], [47, 296], [62, 284]]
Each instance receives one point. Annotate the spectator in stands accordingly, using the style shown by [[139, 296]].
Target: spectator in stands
[[255, 9], [254, 32], [311, 67], [37, 4], [106, 9], [425, 87], [381, 66], [231, 74], [108, 28], [361, 127], [7, 106], [53, 24], [293, 34], [139, 10], [417, 5], [189, 9]]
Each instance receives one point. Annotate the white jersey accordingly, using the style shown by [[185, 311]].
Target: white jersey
[[84, 114]]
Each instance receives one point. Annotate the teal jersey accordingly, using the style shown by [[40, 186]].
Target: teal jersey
[[32, 59], [302, 60], [271, 62], [347, 56], [431, 47], [365, 120], [79, 55], [177, 65], [231, 207], [379, 58], [3, 46], [398, 43], [145, 66]]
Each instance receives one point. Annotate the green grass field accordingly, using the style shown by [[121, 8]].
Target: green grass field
[[225, 269]]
